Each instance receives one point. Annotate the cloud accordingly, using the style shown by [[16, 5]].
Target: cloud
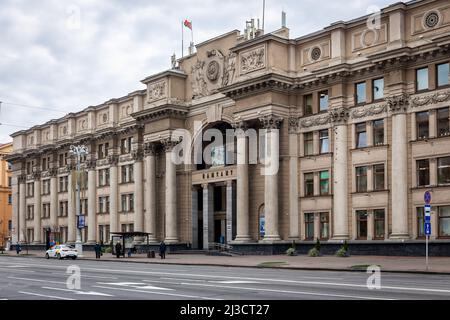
[[70, 55]]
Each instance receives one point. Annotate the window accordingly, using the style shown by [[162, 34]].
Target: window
[[63, 209], [422, 125], [309, 184], [378, 89], [361, 223], [84, 206], [420, 222], [103, 177], [127, 202], [125, 145], [378, 177], [9, 165], [127, 173], [360, 92], [63, 159], [361, 135], [308, 105], [309, 226], [103, 204], [30, 165], [442, 74], [423, 172], [378, 132], [30, 213], [324, 141], [9, 198], [422, 79], [46, 210], [46, 186], [63, 183], [308, 143], [103, 150], [361, 179], [30, 189], [443, 172], [324, 225], [379, 223], [44, 163], [9, 181], [324, 183], [323, 101], [444, 221], [443, 122]]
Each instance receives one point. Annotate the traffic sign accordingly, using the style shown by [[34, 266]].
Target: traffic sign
[[427, 197], [81, 223], [427, 228], [427, 208]]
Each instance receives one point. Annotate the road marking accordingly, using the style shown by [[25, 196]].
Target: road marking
[[164, 278], [89, 293], [288, 291], [160, 293], [85, 276], [134, 285], [235, 282], [43, 295], [37, 280]]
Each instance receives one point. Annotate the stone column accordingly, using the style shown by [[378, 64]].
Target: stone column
[[242, 214], [171, 193], [150, 191], [114, 194], [92, 201], [230, 209], [138, 193], [15, 208], [293, 179], [194, 215], [37, 208], [208, 215], [271, 167], [22, 208], [72, 218], [53, 199], [339, 117], [399, 183]]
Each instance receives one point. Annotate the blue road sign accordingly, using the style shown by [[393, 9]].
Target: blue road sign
[[427, 197], [428, 219], [81, 222], [427, 228]]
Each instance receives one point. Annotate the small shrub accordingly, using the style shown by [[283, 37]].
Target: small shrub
[[317, 245], [343, 251], [314, 252], [108, 250], [291, 252]]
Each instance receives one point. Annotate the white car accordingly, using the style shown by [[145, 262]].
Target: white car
[[61, 251]]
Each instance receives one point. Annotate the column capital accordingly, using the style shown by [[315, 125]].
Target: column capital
[[36, 175], [271, 122], [91, 164], [70, 167], [205, 185], [53, 172], [240, 124], [339, 116], [113, 159], [398, 103], [22, 178], [169, 144], [137, 154], [150, 149], [294, 124]]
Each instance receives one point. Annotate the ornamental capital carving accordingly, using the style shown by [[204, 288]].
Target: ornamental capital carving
[[36, 175], [113, 159], [53, 172], [339, 116], [150, 149], [294, 123], [70, 167], [91, 164], [137, 154], [168, 144], [271, 122], [22, 178], [398, 103], [240, 125], [253, 60], [157, 91]]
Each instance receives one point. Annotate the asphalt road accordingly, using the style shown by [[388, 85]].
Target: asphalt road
[[40, 279]]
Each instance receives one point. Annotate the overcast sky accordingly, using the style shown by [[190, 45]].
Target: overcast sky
[[68, 55]]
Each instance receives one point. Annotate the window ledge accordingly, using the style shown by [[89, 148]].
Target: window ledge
[[431, 186], [316, 196], [369, 192], [367, 149]]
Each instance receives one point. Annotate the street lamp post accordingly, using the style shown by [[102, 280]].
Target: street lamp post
[[78, 151]]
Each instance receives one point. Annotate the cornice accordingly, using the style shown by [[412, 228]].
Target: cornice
[[160, 112]]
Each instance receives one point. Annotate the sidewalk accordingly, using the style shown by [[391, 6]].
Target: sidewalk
[[439, 265]]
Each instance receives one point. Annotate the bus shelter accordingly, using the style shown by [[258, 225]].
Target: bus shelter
[[126, 240]]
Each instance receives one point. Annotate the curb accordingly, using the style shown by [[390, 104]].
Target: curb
[[257, 267]]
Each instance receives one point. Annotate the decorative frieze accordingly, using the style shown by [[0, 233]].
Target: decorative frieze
[[253, 60], [137, 154], [314, 121], [91, 164], [294, 125], [367, 111], [271, 122], [113, 159], [339, 116], [36, 175], [398, 103], [53, 172], [430, 99], [157, 91], [168, 144]]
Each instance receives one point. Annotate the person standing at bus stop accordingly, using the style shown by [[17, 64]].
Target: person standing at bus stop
[[162, 250], [118, 249]]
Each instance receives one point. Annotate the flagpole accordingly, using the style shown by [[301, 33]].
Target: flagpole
[[182, 39]]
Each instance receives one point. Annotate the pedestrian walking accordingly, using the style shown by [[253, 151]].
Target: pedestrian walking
[[162, 250], [118, 249], [98, 250], [18, 248]]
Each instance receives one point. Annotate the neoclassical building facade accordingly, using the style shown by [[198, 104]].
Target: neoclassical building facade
[[361, 111]]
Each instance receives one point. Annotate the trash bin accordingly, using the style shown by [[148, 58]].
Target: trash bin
[[151, 254]]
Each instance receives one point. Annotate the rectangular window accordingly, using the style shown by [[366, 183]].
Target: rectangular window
[[46, 186], [422, 125], [323, 101], [361, 135], [443, 122], [420, 222], [379, 223], [442, 74], [378, 177], [423, 172], [309, 184], [324, 141], [361, 179], [324, 225], [30, 189], [324, 183], [378, 89], [422, 79], [378, 132], [308, 140], [443, 171], [360, 90], [444, 221], [103, 204], [127, 173], [9, 181], [103, 177], [125, 145], [30, 212], [361, 223], [308, 105], [127, 202], [44, 164], [309, 226], [63, 183], [9, 199]]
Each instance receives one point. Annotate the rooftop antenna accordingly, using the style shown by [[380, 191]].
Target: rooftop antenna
[[283, 19], [264, 11]]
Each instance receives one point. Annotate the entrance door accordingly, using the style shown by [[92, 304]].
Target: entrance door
[[200, 234], [218, 236]]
